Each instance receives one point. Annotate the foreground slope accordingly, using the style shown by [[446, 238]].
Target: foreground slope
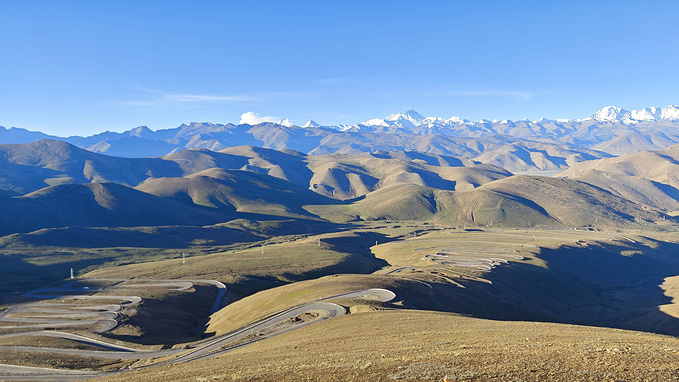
[[416, 345]]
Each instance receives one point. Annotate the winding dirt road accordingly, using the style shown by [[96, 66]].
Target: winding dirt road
[[280, 323]]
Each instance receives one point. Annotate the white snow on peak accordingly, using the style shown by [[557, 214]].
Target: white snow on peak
[[375, 122], [285, 122], [434, 120], [648, 114], [410, 115], [670, 113], [311, 123], [412, 119], [610, 114]]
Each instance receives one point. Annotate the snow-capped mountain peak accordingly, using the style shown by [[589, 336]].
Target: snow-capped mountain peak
[[375, 122], [311, 123], [648, 114], [610, 114], [410, 115], [285, 122], [670, 113]]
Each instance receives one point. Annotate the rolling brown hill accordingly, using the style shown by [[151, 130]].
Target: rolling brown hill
[[349, 176], [517, 201], [650, 178], [96, 205], [215, 187], [28, 167], [231, 191]]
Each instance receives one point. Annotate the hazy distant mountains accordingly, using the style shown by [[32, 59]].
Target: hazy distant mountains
[[516, 146]]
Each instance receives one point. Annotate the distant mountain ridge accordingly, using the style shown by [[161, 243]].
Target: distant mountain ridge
[[609, 131]]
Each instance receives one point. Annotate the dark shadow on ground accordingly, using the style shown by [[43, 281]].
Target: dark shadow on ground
[[176, 318], [593, 285], [361, 260], [247, 228]]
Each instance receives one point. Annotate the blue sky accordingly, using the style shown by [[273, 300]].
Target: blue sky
[[81, 67]]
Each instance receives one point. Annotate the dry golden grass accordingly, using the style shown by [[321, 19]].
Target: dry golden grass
[[525, 243], [268, 302], [418, 345], [671, 288], [277, 259]]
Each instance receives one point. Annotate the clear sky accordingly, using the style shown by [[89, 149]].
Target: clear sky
[[82, 67]]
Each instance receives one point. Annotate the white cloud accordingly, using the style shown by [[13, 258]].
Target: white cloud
[[160, 98], [252, 118]]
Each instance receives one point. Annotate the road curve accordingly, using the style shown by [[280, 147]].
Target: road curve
[[104, 316], [283, 322]]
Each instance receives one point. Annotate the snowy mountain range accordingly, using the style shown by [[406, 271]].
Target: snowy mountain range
[[516, 145], [411, 119]]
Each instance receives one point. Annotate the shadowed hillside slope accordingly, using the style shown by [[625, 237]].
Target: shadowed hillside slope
[[258, 183], [31, 166], [516, 201], [231, 191], [650, 178], [96, 205]]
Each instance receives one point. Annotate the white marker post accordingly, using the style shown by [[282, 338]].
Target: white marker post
[[71, 272], [262, 248], [183, 258]]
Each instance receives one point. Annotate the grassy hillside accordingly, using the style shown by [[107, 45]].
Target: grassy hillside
[[231, 191], [252, 182], [517, 201], [96, 205], [569, 276], [31, 166], [650, 178], [350, 176], [575, 203], [428, 346], [271, 301], [249, 268]]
